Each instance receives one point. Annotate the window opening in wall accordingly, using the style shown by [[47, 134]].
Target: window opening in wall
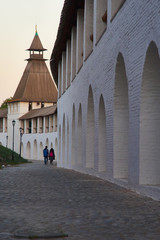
[[88, 28], [104, 17], [30, 106], [35, 125], [115, 7], [42, 124], [22, 125], [30, 126], [101, 18], [42, 105]]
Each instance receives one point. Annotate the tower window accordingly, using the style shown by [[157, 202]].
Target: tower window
[[30, 106]]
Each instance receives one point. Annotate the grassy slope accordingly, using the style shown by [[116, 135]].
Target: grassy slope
[[6, 157]]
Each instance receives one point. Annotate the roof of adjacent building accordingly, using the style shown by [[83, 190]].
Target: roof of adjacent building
[[40, 112], [3, 112], [36, 84], [67, 21]]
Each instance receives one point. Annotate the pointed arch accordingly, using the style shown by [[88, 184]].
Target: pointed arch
[[79, 136], [59, 144], [35, 149], [150, 118], [67, 144], [73, 135], [56, 147], [90, 132], [28, 150], [63, 140], [41, 151], [102, 143], [121, 121], [22, 150], [47, 142]]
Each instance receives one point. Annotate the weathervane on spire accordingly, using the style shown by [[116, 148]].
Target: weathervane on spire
[[36, 30]]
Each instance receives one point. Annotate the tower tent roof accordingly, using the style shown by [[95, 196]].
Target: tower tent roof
[[36, 44], [36, 84]]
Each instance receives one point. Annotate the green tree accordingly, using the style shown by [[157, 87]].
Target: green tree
[[4, 104]]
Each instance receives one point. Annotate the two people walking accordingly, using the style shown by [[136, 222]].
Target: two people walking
[[49, 154]]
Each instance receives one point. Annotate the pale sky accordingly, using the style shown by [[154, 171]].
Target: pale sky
[[17, 29]]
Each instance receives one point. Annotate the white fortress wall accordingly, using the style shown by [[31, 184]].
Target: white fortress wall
[[112, 71]]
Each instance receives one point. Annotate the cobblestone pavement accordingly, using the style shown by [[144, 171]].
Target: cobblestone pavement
[[36, 199]]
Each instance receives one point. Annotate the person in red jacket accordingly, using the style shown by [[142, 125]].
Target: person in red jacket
[[51, 155]]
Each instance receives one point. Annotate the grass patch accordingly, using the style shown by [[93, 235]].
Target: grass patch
[[6, 157]]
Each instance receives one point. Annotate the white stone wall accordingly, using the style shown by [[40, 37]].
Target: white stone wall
[[129, 34], [4, 139], [33, 144]]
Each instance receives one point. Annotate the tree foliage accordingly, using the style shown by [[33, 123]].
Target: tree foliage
[[4, 104]]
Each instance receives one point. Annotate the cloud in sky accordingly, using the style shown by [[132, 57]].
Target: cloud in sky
[[17, 28]]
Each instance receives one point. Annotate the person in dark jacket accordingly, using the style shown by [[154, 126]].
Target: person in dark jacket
[[45, 154]]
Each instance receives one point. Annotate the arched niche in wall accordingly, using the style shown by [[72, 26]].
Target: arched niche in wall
[[73, 136], [121, 121], [28, 151], [79, 137], [63, 141], [59, 144], [90, 131], [150, 119], [102, 143], [41, 151], [35, 150], [67, 144]]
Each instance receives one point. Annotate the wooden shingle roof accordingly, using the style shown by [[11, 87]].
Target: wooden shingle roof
[[40, 112], [3, 113], [36, 44], [36, 84]]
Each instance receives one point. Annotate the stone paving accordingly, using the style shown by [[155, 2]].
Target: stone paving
[[40, 200]]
